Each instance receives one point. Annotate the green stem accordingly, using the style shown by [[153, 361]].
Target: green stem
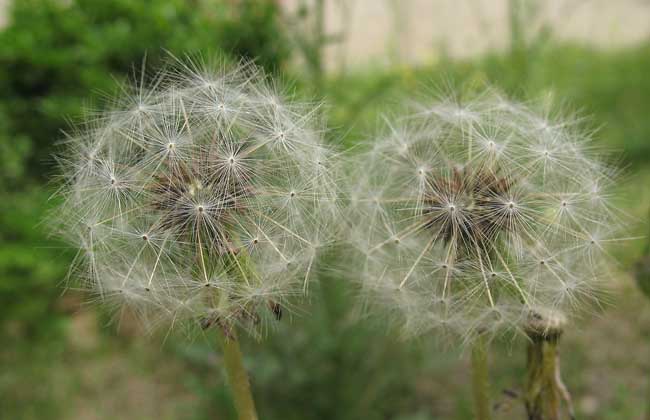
[[545, 391], [237, 376], [647, 410], [480, 381], [542, 394]]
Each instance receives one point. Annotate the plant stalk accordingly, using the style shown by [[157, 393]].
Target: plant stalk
[[480, 379], [545, 391], [647, 410], [237, 376]]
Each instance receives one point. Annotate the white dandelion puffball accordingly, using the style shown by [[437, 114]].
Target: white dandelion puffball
[[480, 216], [202, 197]]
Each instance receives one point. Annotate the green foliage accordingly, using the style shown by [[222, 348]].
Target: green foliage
[[14, 150], [336, 367], [642, 269], [30, 266], [54, 54], [253, 31]]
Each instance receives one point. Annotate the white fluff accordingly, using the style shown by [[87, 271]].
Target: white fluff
[[473, 216], [204, 196]]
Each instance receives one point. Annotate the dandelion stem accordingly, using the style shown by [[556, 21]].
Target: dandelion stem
[[480, 380], [647, 409], [545, 390], [237, 376]]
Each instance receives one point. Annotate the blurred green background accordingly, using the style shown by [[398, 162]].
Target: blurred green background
[[63, 359]]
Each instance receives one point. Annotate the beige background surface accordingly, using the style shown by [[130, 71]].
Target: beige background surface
[[384, 32], [415, 31]]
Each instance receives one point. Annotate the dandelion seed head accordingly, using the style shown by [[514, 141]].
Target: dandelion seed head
[[487, 205], [199, 198]]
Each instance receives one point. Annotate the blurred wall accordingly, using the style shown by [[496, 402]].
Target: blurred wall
[[3, 12], [412, 31], [415, 31]]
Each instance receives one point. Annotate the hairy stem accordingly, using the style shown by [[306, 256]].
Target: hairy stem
[[480, 381], [237, 376], [545, 391]]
